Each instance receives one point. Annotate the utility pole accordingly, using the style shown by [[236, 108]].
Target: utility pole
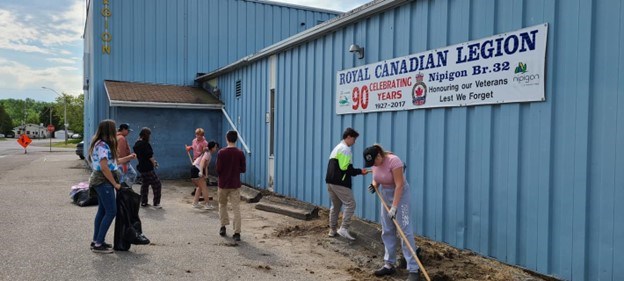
[[50, 108], [65, 102], [65, 118]]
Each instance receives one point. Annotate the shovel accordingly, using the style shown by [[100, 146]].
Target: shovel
[[189, 154]]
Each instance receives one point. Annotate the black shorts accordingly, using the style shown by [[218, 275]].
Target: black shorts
[[194, 172]]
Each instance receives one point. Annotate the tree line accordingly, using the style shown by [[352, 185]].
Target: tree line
[[14, 112]]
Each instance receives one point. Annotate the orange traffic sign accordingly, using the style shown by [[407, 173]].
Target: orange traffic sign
[[24, 140]]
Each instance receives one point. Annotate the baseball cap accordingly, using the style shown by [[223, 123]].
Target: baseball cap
[[125, 126], [370, 153]]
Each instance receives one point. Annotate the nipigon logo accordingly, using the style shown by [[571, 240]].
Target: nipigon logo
[[527, 79], [343, 100], [524, 77]]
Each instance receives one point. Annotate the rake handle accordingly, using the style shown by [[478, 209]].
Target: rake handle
[[189, 155], [409, 245]]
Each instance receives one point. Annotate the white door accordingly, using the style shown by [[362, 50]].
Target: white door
[[270, 119]]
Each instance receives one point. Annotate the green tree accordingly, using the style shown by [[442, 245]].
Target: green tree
[[75, 112], [23, 111], [6, 124]]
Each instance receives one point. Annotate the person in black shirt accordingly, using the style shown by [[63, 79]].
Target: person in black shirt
[[145, 155]]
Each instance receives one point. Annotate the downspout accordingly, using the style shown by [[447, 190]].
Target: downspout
[[235, 129]]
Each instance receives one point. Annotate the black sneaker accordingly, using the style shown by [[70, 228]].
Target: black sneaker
[[236, 236], [101, 249], [103, 244], [144, 204], [383, 271], [222, 231]]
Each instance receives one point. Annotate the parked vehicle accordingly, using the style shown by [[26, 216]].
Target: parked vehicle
[[10, 135], [2, 136], [80, 150], [76, 136]]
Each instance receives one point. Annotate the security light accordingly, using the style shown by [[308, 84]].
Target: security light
[[355, 48]]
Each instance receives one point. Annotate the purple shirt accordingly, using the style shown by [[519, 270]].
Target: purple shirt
[[230, 164]]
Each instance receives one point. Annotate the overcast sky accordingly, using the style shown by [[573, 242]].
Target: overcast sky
[[40, 44]]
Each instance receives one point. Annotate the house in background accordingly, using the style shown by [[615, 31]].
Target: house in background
[[33, 131]]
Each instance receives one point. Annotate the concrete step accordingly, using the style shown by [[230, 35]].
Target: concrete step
[[250, 195], [288, 207]]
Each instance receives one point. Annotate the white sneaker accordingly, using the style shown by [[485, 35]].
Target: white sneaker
[[345, 233], [332, 232], [208, 207], [197, 206]]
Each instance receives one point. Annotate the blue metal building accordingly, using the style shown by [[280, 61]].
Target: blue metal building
[[534, 184], [160, 42]]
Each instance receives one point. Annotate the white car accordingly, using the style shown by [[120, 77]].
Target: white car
[[2, 136], [76, 136]]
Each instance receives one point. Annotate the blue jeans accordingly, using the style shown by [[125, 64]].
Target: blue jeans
[[107, 209], [389, 231], [129, 177]]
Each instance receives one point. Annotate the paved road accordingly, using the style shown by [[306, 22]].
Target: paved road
[[45, 237], [10, 146]]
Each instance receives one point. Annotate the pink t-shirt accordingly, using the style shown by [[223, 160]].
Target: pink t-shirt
[[383, 174], [198, 147], [206, 157]]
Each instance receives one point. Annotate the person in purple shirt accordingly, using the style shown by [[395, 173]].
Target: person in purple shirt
[[229, 167]]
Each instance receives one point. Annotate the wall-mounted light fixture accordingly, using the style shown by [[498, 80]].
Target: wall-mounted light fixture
[[355, 48], [217, 92]]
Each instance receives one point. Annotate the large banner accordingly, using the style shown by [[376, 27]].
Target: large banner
[[504, 68]]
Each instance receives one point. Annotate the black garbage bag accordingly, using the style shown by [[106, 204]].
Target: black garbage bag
[[83, 198], [128, 229], [135, 236]]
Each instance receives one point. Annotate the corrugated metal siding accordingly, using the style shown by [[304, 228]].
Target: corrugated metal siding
[[172, 129], [248, 114], [531, 184], [169, 42], [88, 73]]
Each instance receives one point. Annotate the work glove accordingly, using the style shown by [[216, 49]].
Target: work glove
[[392, 212], [371, 188]]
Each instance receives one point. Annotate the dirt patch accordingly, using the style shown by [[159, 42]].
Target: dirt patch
[[314, 227], [442, 262], [359, 274]]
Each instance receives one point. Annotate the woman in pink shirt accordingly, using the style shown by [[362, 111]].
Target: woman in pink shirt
[[199, 171], [388, 175], [198, 145]]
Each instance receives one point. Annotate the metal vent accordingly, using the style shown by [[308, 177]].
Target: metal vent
[[239, 89]]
